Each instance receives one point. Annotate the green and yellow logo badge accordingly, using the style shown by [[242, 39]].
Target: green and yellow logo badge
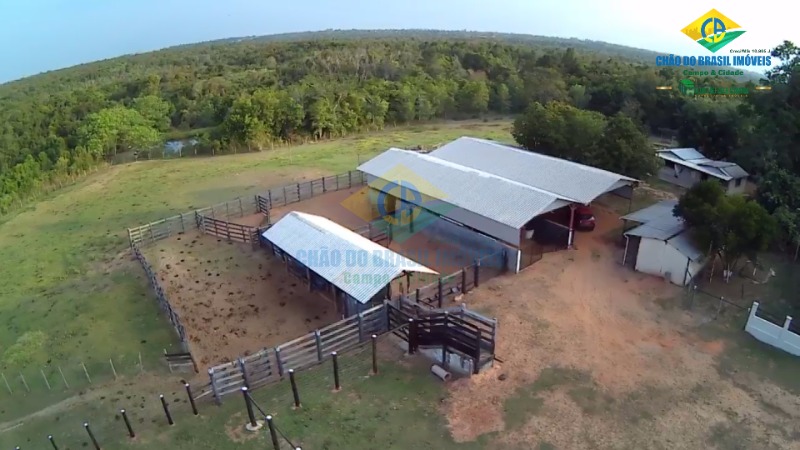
[[399, 199], [713, 30]]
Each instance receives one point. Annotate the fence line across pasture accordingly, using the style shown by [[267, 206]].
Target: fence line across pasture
[[274, 197]]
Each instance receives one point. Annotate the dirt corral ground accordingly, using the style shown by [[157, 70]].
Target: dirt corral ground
[[233, 299], [345, 207], [591, 358]]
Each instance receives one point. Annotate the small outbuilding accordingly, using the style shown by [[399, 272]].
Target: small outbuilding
[[659, 244], [343, 266], [686, 167]]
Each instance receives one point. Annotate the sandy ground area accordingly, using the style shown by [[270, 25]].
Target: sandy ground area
[[253, 220], [233, 299], [624, 372], [345, 207]]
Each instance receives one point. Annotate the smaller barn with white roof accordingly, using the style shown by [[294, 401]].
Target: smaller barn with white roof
[[660, 244], [346, 268]]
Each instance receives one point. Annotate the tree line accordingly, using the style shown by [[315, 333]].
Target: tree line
[[249, 95]]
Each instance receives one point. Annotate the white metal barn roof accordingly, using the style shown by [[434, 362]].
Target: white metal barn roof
[[565, 179], [693, 159], [504, 201], [306, 237]]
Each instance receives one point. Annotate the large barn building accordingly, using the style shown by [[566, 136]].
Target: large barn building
[[513, 196], [344, 267]]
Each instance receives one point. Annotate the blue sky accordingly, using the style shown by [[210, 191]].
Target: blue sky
[[41, 35]]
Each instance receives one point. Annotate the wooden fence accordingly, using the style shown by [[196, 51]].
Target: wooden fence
[[294, 193], [160, 295], [445, 289], [239, 207], [227, 230], [456, 330], [270, 365]]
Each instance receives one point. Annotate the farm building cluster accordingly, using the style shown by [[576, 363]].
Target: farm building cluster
[[424, 226]]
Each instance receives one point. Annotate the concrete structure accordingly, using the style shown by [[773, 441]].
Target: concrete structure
[[497, 190], [686, 167], [780, 336], [660, 245], [345, 267]]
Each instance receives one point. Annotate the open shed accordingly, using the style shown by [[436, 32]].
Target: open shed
[[344, 267], [500, 191]]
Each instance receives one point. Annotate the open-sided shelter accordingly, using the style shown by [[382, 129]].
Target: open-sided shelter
[[344, 267], [508, 194]]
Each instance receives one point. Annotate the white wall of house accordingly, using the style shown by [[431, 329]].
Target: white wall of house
[[659, 258], [733, 188], [684, 176], [774, 335], [687, 177]]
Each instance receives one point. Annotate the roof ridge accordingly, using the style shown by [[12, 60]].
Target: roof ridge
[[526, 151], [353, 238], [428, 157]]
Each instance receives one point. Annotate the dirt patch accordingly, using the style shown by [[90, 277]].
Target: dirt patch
[[252, 220], [234, 299], [653, 381], [345, 207]]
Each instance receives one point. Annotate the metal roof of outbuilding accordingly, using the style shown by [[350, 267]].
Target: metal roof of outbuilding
[[658, 222], [505, 201], [689, 157], [346, 259], [565, 179]]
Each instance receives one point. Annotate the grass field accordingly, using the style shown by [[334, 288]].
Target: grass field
[[71, 294]]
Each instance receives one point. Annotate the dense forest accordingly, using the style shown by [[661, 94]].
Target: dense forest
[[248, 94]]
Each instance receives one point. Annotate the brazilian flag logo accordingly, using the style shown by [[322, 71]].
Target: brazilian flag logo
[[713, 30]]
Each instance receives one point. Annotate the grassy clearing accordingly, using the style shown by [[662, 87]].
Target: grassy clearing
[[70, 293], [398, 408]]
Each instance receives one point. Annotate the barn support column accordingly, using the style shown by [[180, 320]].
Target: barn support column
[[571, 226], [625, 255], [308, 274]]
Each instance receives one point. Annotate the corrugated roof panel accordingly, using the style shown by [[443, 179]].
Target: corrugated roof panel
[[348, 260], [713, 171], [566, 179], [660, 210], [687, 154], [658, 229], [491, 196], [683, 243]]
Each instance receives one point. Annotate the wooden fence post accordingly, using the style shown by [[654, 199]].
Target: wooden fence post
[[477, 272], [318, 340], [279, 361], [269, 199], [440, 292], [214, 389], [244, 372], [284, 196], [298, 192], [323, 185], [349, 179], [417, 295], [241, 210], [477, 356], [464, 280], [412, 336], [444, 342], [361, 327]]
